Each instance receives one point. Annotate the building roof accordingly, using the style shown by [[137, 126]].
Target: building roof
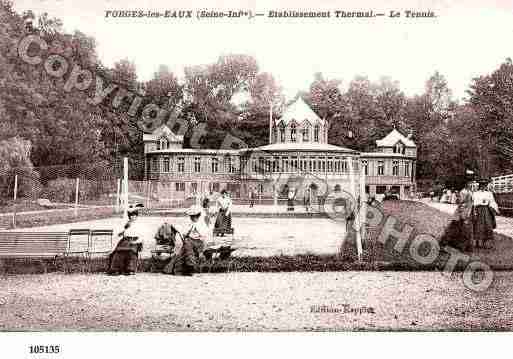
[[364, 155], [195, 151], [299, 111], [392, 138], [162, 131], [303, 146]]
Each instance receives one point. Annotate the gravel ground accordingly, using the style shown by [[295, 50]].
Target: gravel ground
[[253, 236], [253, 302]]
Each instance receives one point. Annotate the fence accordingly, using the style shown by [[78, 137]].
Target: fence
[[59, 191], [502, 184]]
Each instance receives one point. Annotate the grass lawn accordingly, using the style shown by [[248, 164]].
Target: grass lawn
[[26, 205], [58, 216]]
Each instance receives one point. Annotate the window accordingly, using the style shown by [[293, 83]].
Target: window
[[365, 165], [276, 164], [316, 133], [285, 164], [345, 165], [164, 144], [155, 164], [268, 165], [215, 164], [231, 165], [275, 134], [180, 186], [407, 169], [181, 164], [261, 164], [260, 188], [381, 168], [293, 133], [166, 164], [399, 148], [395, 168], [305, 134], [215, 186], [194, 187], [282, 133], [228, 164], [255, 165], [197, 164], [293, 164], [381, 189], [330, 164], [310, 169], [323, 165]]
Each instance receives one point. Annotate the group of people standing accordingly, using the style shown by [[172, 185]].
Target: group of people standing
[[476, 214], [178, 253]]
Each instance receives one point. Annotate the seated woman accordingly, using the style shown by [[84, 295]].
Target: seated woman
[[180, 255], [123, 260]]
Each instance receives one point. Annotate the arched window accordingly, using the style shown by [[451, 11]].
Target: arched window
[[316, 133], [293, 133], [164, 144], [305, 133], [282, 133]]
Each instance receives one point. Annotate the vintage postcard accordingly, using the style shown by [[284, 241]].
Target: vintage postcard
[[255, 166]]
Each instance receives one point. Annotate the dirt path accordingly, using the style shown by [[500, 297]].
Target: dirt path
[[504, 224], [253, 301]]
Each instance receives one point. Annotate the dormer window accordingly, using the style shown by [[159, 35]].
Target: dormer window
[[293, 133], [305, 134], [316, 133], [399, 148], [282, 133], [163, 144]]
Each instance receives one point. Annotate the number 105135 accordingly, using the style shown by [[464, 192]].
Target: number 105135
[[44, 349]]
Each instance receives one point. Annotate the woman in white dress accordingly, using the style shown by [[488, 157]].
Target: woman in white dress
[[484, 211], [224, 217]]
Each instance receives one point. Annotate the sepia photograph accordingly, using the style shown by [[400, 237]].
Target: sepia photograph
[[248, 166]]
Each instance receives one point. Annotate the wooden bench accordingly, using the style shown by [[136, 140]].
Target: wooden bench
[[33, 244], [80, 243]]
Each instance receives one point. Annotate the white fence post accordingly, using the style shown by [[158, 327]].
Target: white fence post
[[118, 193], [15, 196], [125, 185], [76, 197]]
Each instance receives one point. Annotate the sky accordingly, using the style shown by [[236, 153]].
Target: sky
[[464, 40]]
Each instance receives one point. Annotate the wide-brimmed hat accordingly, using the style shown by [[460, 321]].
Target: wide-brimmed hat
[[194, 211], [133, 209]]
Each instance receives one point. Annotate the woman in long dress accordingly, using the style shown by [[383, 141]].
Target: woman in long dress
[[485, 210], [224, 217], [187, 250], [123, 260], [464, 215]]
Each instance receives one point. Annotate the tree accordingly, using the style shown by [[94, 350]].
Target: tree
[[491, 97]]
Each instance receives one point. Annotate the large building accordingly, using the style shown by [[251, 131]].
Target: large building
[[298, 155]]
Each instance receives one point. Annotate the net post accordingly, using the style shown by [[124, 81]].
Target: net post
[[76, 197], [15, 197], [125, 188], [118, 193]]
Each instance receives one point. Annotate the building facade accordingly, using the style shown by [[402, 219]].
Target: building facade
[[297, 157]]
